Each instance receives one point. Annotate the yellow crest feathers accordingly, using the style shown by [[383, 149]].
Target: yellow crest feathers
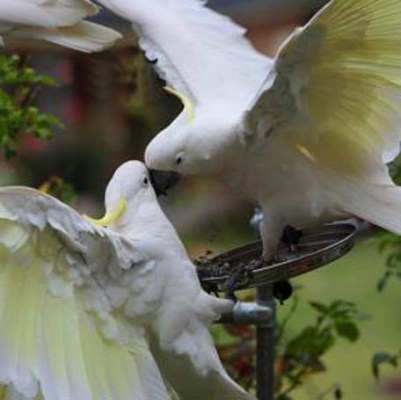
[[188, 106], [111, 217]]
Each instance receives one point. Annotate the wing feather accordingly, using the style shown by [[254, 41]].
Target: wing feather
[[54, 314], [33, 209], [339, 81], [56, 21], [50, 14], [84, 36], [198, 51]]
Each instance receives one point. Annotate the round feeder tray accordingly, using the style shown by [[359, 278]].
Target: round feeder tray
[[316, 248]]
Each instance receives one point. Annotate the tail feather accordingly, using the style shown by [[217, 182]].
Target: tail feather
[[84, 36], [192, 380], [378, 204]]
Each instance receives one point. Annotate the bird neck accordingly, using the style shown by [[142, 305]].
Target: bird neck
[[145, 215]]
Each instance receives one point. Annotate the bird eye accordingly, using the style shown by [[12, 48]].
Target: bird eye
[[146, 181], [178, 160]]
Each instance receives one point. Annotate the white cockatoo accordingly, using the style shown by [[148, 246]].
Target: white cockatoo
[[307, 135], [83, 307], [56, 21]]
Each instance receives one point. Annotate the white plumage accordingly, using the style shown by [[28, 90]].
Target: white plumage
[[307, 136], [82, 308], [56, 21], [189, 41]]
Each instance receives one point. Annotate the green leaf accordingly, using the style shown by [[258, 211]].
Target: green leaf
[[324, 341], [348, 330], [303, 341], [19, 85], [342, 308], [382, 283], [383, 358], [321, 308]]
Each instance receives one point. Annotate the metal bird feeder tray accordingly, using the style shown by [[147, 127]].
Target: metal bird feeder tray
[[316, 248]]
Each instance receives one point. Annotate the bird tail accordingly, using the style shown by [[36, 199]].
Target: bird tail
[[84, 36], [192, 367], [375, 203]]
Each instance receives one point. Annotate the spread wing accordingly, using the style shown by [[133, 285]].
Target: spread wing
[[56, 21], [60, 336], [336, 90], [199, 52], [46, 13], [84, 36]]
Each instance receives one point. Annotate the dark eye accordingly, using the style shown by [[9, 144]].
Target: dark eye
[[146, 181], [178, 160]]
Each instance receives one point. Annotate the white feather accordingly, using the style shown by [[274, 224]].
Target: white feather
[[200, 53], [83, 36], [49, 14], [57, 21]]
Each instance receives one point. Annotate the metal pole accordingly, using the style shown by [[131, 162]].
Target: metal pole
[[265, 346]]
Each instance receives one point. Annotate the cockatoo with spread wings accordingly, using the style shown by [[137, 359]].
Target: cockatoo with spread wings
[[85, 310], [57, 21], [308, 134]]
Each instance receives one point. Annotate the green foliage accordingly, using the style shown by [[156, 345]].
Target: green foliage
[[19, 86], [298, 356], [301, 356], [395, 170], [381, 358], [390, 245]]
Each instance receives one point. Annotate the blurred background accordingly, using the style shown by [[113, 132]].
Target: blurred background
[[113, 103]]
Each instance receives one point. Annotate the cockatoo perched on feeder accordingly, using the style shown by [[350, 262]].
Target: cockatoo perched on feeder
[[82, 307], [57, 21], [308, 135]]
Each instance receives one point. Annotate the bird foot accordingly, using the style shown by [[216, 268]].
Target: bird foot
[[241, 277], [291, 237]]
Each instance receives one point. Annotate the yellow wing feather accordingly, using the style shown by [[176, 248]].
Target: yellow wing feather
[[341, 79], [51, 347], [354, 82]]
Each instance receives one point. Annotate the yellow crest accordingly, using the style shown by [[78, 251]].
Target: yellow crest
[[111, 217], [188, 106]]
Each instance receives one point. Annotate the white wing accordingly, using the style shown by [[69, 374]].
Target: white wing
[[46, 13], [335, 94], [200, 53], [56, 21], [84, 36], [59, 329]]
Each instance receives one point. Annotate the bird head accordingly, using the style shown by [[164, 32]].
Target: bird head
[[191, 144], [129, 188]]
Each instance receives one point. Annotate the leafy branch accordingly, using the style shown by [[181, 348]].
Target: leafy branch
[[19, 86], [301, 356], [390, 245], [297, 357]]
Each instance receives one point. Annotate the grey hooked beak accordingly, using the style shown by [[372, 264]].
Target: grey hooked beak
[[162, 181]]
